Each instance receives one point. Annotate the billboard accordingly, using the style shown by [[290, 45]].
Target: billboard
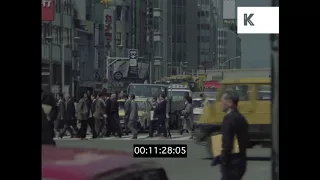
[[47, 13]]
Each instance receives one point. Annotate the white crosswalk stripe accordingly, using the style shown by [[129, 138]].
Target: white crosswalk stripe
[[174, 137]]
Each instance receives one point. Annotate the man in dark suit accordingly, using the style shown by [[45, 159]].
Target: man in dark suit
[[127, 102], [49, 113], [91, 120], [109, 125], [60, 116], [160, 114], [99, 115], [133, 117], [234, 125], [114, 112], [70, 121]]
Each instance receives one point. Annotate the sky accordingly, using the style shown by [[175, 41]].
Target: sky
[[256, 48]]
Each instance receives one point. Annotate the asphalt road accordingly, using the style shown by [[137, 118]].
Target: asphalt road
[[195, 166]]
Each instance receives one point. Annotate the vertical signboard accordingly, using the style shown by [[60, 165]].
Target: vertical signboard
[[96, 46], [133, 65], [108, 26], [47, 13]]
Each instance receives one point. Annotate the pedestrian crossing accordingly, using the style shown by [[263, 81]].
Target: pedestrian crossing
[[174, 137]]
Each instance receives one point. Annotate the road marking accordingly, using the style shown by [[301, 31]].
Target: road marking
[[174, 137]]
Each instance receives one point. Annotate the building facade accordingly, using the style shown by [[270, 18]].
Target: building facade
[[61, 32], [207, 27], [233, 50]]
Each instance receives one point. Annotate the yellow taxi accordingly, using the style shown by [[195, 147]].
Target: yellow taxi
[[254, 103]]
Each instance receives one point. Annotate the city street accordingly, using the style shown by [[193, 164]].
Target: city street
[[196, 166]]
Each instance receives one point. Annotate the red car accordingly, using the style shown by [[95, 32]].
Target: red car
[[92, 164]]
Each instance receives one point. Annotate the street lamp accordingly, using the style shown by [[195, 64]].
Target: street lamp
[[230, 59], [49, 40]]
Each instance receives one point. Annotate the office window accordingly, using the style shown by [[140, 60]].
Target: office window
[[46, 30], [58, 6], [54, 34], [156, 3], [60, 37], [205, 26], [42, 32], [183, 35], [174, 16], [158, 48], [179, 34], [65, 36], [67, 6], [174, 2], [118, 10], [157, 24], [183, 16], [179, 15], [174, 34], [183, 2]]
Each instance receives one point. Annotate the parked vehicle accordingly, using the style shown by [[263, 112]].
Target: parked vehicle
[[254, 104]]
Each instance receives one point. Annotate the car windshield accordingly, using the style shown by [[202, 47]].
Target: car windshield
[[178, 95], [141, 105], [197, 103], [211, 101], [146, 90]]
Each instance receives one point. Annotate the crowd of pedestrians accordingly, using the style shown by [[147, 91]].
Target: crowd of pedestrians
[[100, 112]]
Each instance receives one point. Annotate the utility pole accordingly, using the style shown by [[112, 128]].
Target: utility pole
[[275, 101], [150, 36], [49, 41]]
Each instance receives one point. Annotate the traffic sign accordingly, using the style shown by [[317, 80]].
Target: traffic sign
[[55, 89], [133, 56], [117, 75]]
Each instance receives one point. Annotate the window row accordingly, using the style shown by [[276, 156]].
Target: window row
[[243, 91], [63, 6], [59, 35]]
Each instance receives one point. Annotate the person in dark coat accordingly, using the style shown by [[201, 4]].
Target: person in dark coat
[[59, 123], [160, 114], [100, 115], [234, 125], [114, 115], [70, 121], [127, 102], [48, 114], [91, 120], [83, 115], [110, 124]]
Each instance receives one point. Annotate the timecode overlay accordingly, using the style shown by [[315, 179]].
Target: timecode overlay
[[160, 150]]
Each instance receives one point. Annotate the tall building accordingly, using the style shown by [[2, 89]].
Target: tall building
[[175, 43], [207, 27], [232, 40], [233, 50]]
